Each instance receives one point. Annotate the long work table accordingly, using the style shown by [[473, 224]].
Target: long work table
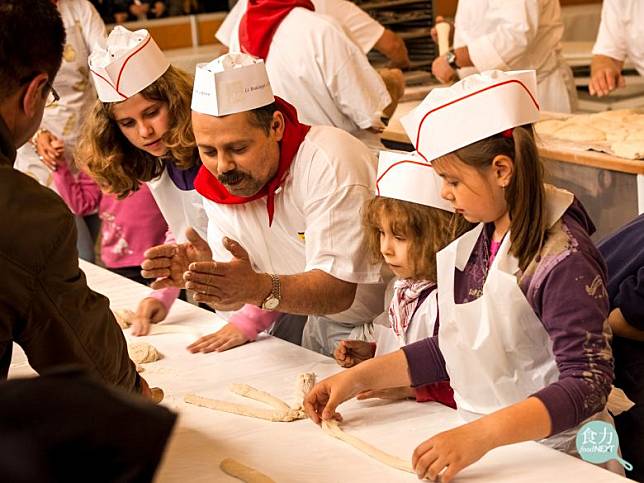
[[611, 188], [297, 451]]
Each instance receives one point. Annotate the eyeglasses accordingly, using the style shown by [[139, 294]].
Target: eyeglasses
[[53, 96]]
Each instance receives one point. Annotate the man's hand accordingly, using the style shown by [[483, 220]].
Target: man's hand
[[149, 311], [605, 75], [225, 338], [49, 149], [168, 263], [442, 71], [348, 353], [228, 283]]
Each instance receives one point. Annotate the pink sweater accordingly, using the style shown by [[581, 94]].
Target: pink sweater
[[129, 226]]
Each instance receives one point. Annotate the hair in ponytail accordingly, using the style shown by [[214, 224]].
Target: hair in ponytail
[[525, 195]]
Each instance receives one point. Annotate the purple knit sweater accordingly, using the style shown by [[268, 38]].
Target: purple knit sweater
[[566, 287]]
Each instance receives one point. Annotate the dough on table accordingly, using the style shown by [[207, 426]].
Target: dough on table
[[628, 149], [332, 428], [124, 317], [549, 127], [617, 115], [242, 472], [142, 352], [280, 412], [580, 133]]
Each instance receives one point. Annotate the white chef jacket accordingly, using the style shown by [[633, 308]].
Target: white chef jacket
[[356, 23], [316, 225], [515, 35], [621, 32], [323, 74], [84, 31]]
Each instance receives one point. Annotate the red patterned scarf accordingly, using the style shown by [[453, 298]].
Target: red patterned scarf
[[404, 302]]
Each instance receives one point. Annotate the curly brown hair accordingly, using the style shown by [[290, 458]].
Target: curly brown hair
[[119, 167], [428, 230]]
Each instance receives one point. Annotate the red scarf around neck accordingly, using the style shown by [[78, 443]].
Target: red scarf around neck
[[209, 186], [259, 23]]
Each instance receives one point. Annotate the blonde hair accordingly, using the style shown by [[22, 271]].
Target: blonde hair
[[118, 166], [428, 230], [525, 195]]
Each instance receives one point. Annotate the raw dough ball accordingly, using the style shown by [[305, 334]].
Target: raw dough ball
[[124, 317], [630, 150], [549, 127], [580, 133], [142, 352]]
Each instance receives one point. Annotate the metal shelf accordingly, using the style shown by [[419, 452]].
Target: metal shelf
[[392, 3]]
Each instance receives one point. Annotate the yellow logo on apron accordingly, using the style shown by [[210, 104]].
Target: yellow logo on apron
[[300, 235]]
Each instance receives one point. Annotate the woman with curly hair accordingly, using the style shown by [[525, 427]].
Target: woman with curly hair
[[139, 131]]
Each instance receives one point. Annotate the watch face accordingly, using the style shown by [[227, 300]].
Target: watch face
[[271, 303]]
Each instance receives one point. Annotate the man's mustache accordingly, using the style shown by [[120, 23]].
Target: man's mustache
[[231, 177]]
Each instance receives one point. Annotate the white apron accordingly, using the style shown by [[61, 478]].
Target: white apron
[[496, 350], [180, 209]]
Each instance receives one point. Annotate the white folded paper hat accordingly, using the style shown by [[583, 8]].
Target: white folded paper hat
[[129, 63], [234, 82], [473, 109], [407, 177]]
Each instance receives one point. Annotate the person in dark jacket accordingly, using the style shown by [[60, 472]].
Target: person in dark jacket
[[86, 423], [624, 255], [45, 304], [66, 426]]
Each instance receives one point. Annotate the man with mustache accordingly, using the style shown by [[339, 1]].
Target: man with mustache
[[282, 200]]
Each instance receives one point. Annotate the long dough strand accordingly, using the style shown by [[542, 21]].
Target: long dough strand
[[259, 395], [333, 429], [242, 472], [244, 410]]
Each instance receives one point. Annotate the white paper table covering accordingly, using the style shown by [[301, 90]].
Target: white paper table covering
[[297, 451]]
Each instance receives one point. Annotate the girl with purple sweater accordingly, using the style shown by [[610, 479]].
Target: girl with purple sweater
[[524, 338]]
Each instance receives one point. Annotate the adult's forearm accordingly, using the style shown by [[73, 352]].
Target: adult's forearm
[[310, 293]]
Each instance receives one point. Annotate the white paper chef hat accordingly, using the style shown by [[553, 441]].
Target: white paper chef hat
[[129, 63], [234, 82], [407, 177], [473, 109]]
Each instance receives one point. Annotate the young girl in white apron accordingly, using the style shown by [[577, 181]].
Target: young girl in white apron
[[139, 131], [523, 309], [405, 224]]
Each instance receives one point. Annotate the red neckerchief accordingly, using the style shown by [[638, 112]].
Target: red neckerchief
[[209, 186], [259, 23]]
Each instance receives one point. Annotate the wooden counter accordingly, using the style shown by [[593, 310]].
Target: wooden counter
[[611, 188]]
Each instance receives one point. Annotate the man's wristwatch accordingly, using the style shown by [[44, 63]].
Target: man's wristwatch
[[274, 298], [451, 59]]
